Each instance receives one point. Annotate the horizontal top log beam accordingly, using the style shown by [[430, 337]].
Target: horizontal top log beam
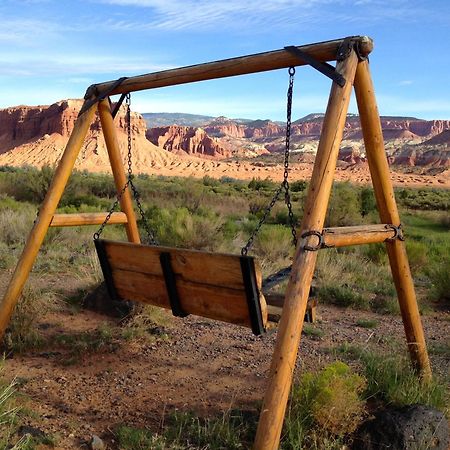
[[261, 62]]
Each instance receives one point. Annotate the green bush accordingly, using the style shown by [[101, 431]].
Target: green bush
[[440, 282], [324, 407], [182, 228], [344, 207], [392, 380], [343, 296]]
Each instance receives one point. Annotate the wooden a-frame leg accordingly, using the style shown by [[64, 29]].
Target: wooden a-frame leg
[[387, 207], [291, 323], [126, 204], [42, 222]]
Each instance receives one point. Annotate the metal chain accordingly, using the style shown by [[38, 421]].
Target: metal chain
[[285, 183], [129, 183], [287, 195]]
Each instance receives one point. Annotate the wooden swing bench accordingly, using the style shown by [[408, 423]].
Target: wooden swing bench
[[213, 285]]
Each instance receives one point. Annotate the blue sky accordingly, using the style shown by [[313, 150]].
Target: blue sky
[[54, 49]]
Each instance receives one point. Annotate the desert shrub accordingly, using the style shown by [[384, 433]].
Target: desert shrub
[[424, 198], [375, 253], [15, 226], [233, 430], [273, 244], [298, 186], [324, 407], [343, 295], [368, 202], [439, 275], [417, 256], [392, 380], [10, 204], [30, 184], [258, 184], [181, 228], [344, 206], [22, 333]]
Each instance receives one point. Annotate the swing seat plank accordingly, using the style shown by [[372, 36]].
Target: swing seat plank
[[214, 285]]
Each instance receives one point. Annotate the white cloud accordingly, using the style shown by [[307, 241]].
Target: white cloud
[[405, 83], [255, 15], [27, 32], [74, 65]]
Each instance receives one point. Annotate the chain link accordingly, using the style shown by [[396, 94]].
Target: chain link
[[129, 183], [285, 183]]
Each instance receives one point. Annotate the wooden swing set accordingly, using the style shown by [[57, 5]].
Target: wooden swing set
[[229, 287]]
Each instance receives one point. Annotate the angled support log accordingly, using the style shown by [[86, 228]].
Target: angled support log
[[126, 204], [387, 207], [291, 323], [46, 212]]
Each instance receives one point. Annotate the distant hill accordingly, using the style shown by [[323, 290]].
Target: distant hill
[[183, 119], [164, 119]]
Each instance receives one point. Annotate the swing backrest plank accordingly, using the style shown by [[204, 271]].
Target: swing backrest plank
[[208, 284]]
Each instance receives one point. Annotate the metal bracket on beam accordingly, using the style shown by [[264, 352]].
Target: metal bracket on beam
[[398, 232], [93, 96], [348, 44], [323, 67], [320, 243], [118, 105]]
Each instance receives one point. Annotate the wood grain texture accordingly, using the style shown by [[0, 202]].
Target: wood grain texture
[[356, 235], [261, 62], [387, 207], [297, 292], [115, 158], [80, 219], [208, 284]]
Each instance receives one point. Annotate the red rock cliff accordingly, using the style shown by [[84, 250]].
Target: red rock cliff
[[23, 124], [190, 140]]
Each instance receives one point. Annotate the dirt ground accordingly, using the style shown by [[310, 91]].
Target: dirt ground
[[202, 366]]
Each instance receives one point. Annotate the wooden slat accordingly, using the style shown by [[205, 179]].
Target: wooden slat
[[209, 268], [214, 302], [79, 219]]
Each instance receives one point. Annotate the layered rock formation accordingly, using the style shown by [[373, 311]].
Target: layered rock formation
[[190, 140], [38, 135]]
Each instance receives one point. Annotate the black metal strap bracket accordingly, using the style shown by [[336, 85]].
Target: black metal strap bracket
[[118, 105], [252, 294], [320, 244], [106, 269], [398, 232], [171, 285], [323, 67], [93, 96], [348, 44]]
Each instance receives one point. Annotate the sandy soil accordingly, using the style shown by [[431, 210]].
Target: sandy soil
[[203, 366]]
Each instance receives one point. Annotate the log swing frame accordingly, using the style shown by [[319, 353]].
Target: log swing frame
[[353, 68]]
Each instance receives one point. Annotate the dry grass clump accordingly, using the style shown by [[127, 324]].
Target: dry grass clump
[[22, 333]]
